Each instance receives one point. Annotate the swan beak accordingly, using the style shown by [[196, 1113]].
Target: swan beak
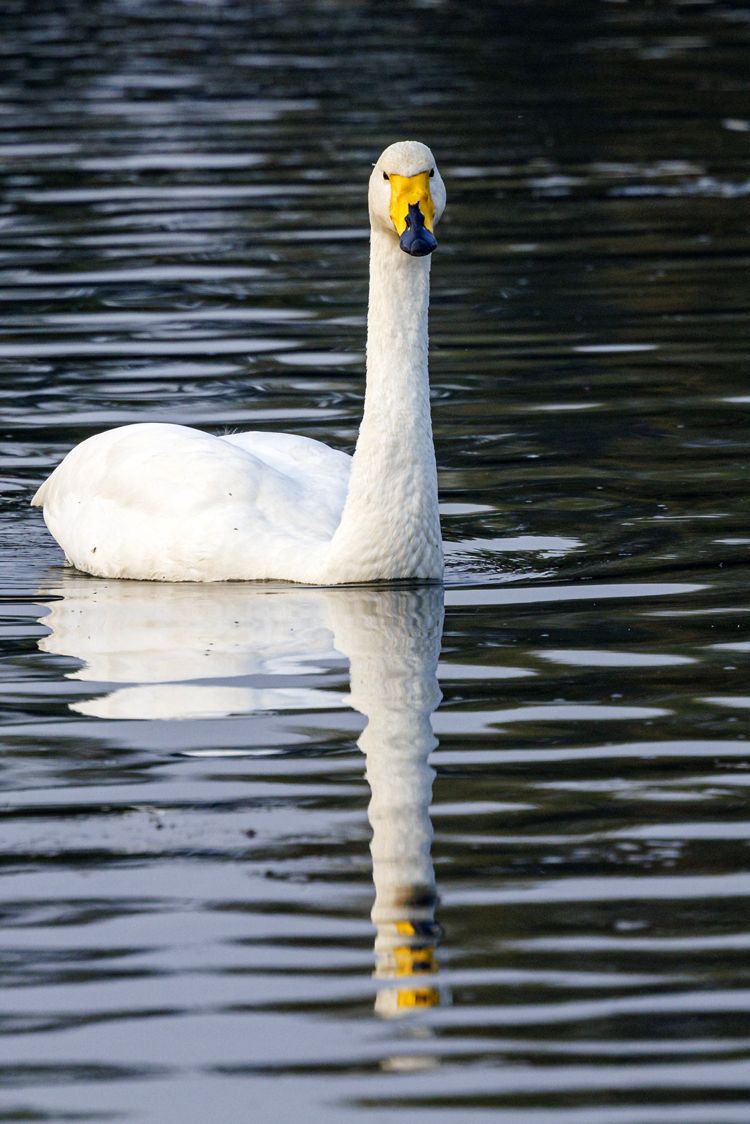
[[413, 213]]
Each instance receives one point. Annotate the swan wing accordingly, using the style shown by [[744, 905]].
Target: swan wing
[[325, 470], [172, 503]]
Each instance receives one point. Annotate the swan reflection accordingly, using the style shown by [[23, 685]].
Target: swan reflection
[[187, 651], [182, 648]]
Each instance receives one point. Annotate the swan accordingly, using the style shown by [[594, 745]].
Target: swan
[[165, 502]]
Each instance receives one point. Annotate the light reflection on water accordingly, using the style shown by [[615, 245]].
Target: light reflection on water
[[187, 879]]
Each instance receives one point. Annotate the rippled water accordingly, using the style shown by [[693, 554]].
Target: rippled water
[[222, 900]]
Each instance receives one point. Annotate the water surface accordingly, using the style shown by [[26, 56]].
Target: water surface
[[253, 865]]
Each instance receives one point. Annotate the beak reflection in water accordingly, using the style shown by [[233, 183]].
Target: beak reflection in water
[[169, 656]]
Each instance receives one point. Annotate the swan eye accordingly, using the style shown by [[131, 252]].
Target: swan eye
[[432, 172], [386, 176]]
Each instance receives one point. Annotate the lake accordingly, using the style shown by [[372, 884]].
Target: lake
[[460, 853]]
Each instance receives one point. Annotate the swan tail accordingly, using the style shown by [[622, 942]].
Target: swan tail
[[40, 495]]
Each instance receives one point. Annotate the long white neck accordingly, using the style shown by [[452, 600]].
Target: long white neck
[[392, 638], [390, 527]]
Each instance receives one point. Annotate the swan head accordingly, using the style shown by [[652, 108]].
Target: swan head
[[407, 196]]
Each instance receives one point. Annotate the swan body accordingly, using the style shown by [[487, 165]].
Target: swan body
[[170, 503]]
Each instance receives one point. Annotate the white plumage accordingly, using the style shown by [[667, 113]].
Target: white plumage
[[167, 502]]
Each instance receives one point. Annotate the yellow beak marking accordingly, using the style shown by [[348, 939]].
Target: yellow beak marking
[[411, 189]]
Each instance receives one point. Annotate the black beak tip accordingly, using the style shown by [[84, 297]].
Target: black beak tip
[[417, 240], [418, 245]]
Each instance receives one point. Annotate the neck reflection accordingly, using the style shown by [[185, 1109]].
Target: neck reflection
[[393, 644]]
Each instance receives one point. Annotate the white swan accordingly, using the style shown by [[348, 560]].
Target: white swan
[[169, 503]]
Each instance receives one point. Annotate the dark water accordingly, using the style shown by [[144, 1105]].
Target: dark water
[[560, 930]]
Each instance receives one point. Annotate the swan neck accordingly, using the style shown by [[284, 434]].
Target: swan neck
[[390, 526], [397, 330]]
